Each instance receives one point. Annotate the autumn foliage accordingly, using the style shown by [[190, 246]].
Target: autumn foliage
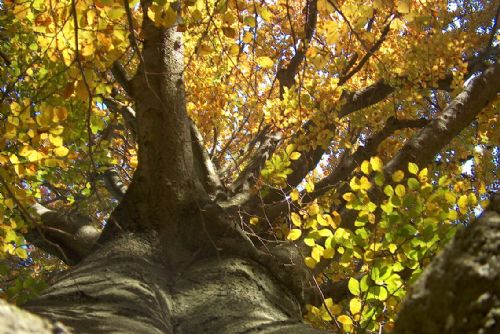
[[303, 106]]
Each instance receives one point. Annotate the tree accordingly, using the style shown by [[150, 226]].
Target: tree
[[290, 160]]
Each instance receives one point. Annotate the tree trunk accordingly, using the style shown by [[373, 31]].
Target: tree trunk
[[125, 287]]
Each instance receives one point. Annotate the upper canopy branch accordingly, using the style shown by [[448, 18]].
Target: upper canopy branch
[[425, 144], [347, 165], [286, 75]]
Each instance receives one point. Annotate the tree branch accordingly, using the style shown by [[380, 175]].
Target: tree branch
[[347, 165], [206, 170], [121, 77], [127, 113], [424, 145], [343, 79], [69, 236], [286, 76]]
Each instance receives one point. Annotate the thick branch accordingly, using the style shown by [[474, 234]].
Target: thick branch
[[286, 76], [68, 236], [114, 184], [120, 75], [127, 113], [424, 146], [15, 320], [206, 170], [347, 165]]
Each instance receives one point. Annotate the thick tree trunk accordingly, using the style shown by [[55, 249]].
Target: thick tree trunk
[[125, 287]]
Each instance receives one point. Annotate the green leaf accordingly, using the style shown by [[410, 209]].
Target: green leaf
[[353, 286], [413, 184], [400, 190]]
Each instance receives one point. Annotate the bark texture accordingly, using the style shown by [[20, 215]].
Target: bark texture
[[15, 320], [126, 288], [460, 291]]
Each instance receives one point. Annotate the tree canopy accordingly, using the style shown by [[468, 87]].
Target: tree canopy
[[361, 132]]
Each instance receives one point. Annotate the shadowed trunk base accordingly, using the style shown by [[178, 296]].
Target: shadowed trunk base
[[125, 288]]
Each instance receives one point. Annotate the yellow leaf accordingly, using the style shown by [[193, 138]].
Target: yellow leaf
[[309, 186], [313, 209], [484, 204], [116, 13], [35, 156], [329, 253], [398, 175], [317, 252], [378, 4], [51, 162], [14, 159], [310, 262], [344, 320], [334, 309], [400, 190], [294, 195], [349, 197], [472, 199], [412, 168], [295, 219], [90, 17], [133, 161], [404, 6], [9, 203], [265, 62], [337, 219], [56, 140], [61, 151], [247, 37], [21, 253], [254, 220], [234, 50], [67, 57], [366, 168], [294, 156], [321, 220], [355, 305], [57, 130], [266, 14], [364, 183], [294, 234], [422, 176]]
